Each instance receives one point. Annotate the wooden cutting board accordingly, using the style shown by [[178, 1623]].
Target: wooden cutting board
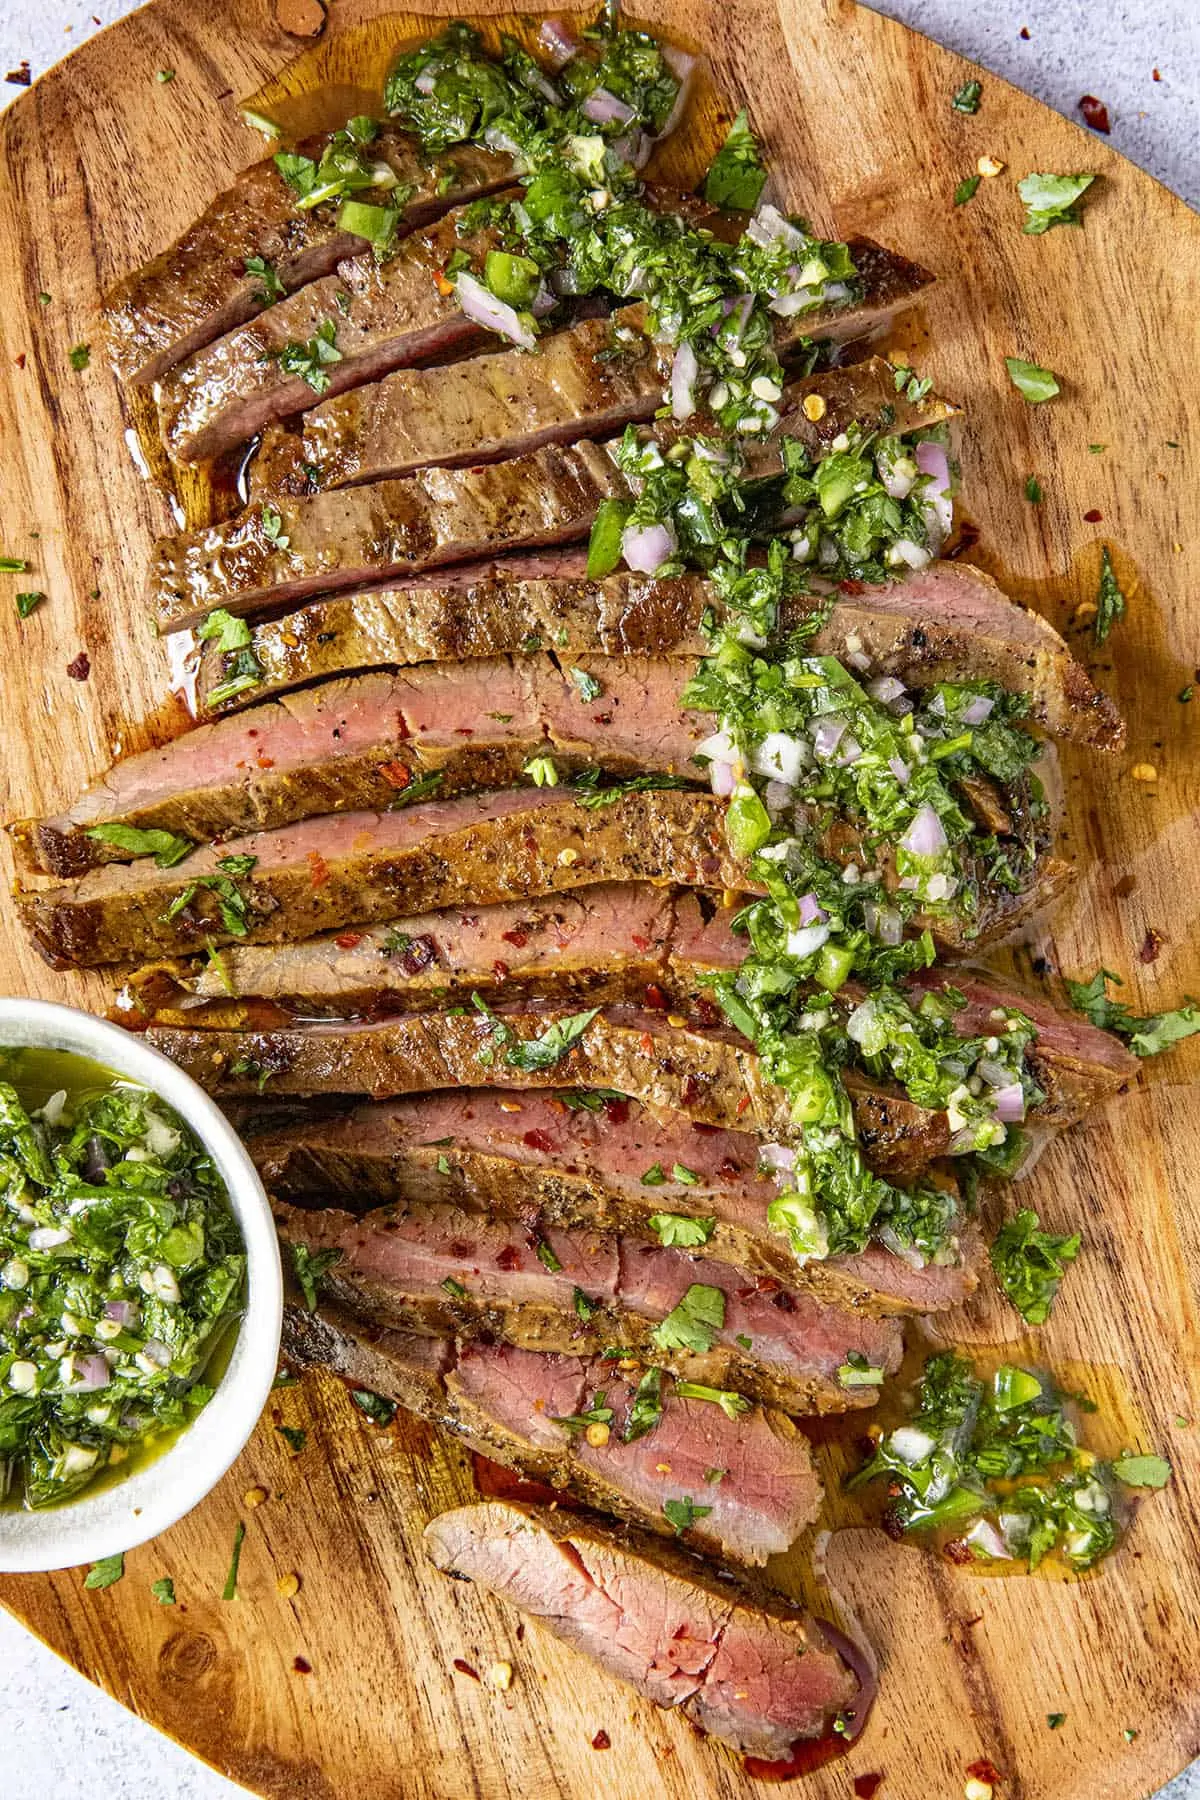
[[359, 1687]]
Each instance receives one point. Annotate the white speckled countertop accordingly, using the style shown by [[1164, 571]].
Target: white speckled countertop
[[60, 1736]]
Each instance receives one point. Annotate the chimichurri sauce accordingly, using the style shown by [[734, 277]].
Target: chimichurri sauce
[[121, 1275]]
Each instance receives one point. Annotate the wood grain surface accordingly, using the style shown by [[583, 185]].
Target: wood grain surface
[[349, 1690]]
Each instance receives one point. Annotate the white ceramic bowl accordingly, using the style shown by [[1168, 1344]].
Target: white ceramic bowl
[[147, 1501]]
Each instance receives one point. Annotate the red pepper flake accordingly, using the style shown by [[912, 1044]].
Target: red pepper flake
[[690, 1091], [638, 941], [396, 774], [1093, 515], [1095, 113], [318, 869], [500, 970], [81, 667], [539, 1140], [20, 360], [20, 76], [616, 1111], [602, 1741], [656, 1000], [445, 288], [348, 940], [742, 1104], [509, 1257], [1024, 32], [647, 1043], [983, 1770], [867, 1786], [518, 939], [1152, 943], [1155, 75], [302, 1665], [464, 1668]]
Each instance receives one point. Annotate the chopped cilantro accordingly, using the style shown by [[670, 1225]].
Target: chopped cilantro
[[104, 1573], [1142, 1471], [80, 356], [966, 190], [312, 360], [1110, 601], [28, 602], [677, 1230], [585, 1309], [1033, 490], [683, 1514], [694, 1323], [542, 771], [732, 1405], [163, 1590], [966, 98], [589, 687], [376, 1407], [646, 1408], [294, 1436], [272, 524], [547, 1258], [596, 1414], [455, 1289], [229, 1591], [310, 1267], [1031, 380], [1146, 1036], [163, 846], [655, 1176]]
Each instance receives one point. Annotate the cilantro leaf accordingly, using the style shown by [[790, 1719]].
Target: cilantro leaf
[[294, 1436], [588, 794], [29, 602], [647, 1406], [677, 1230], [736, 176], [967, 97], [229, 1591], [589, 687], [966, 190], [732, 1405], [163, 1590], [1030, 1264], [311, 361], [230, 632], [1142, 1471], [269, 285], [1110, 601], [80, 356], [694, 1323], [1031, 380], [1052, 200], [104, 1573], [596, 1414]]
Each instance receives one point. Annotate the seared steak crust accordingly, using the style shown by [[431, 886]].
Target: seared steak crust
[[198, 288], [355, 868]]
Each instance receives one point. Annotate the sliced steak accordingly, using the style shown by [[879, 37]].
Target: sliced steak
[[750, 1669], [355, 868], [384, 316], [272, 556], [608, 941], [588, 381], [198, 287], [442, 1269], [353, 745], [946, 622], [505, 1402], [578, 1160]]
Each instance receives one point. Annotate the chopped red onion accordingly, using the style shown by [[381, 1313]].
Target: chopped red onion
[[936, 504], [424, 83], [543, 302], [858, 659], [91, 1372], [722, 779], [496, 315], [604, 108], [807, 939], [926, 835], [768, 226], [684, 371], [125, 1312], [633, 147], [1009, 1103], [884, 923], [155, 1351], [849, 750], [780, 757], [900, 769], [646, 547], [779, 1158], [977, 709], [827, 737], [683, 68], [811, 910], [558, 41], [885, 689]]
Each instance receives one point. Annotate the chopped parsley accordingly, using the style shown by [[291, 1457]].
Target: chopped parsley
[[270, 288], [967, 189], [106, 1572], [598, 1413], [1033, 490], [1052, 200], [1142, 1471], [163, 1590], [163, 846], [585, 1309], [590, 794], [294, 1436], [547, 1258], [732, 1405], [589, 688], [531, 1055], [1030, 1264], [857, 1372], [229, 1591], [312, 360], [736, 176], [272, 524], [29, 602], [966, 98], [646, 1408], [80, 356], [1110, 601]]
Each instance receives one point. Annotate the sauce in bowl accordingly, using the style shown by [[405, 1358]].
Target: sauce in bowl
[[122, 1275]]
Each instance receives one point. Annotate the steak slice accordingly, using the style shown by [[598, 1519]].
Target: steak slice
[[749, 1668], [355, 868], [437, 1270], [504, 1402], [590, 380], [346, 539], [385, 316], [197, 288], [945, 622], [577, 1160], [354, 744], [271, 554]]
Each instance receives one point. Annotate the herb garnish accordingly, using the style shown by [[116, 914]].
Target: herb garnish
[[272, 524], [683, 1514], [1031, 380], [312, 360], [1146, 1036], [596, 1414], [1110, 601], [1052, 200], [229, 1591], [28, 602], [270, 287], [589, 688], [646, 1408], [677, 1230], [1030, 1264], [163, 1590], [736, 176], [1142, 1471], [966, 190], [732, 1405], [694, 1323], [376, 1407], [80, 356], [966, 99], [163, 846], [106, 1572], [310, 1267], [294, 1436]]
